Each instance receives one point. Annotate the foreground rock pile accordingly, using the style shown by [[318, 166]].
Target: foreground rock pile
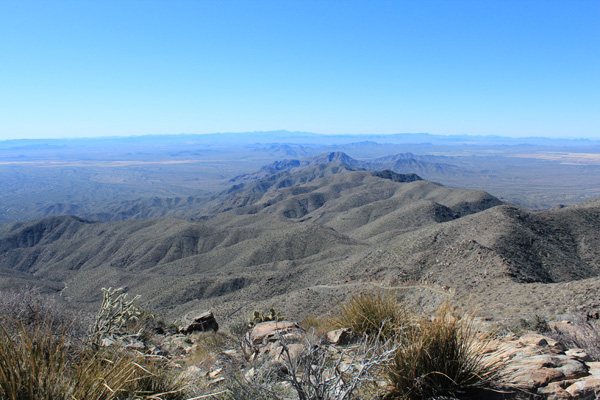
[[536, 366]]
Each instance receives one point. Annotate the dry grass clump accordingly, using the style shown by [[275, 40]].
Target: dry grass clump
[[439, 357], [31, 364], [442, 356], [372, 314], [40, 365], [319, 325], [45, 354]]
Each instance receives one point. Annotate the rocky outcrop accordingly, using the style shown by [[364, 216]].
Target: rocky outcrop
[[272, 331], [543, 367]]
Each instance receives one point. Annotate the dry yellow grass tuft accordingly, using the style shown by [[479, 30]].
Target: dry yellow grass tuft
[[442, 356], [373, 314], [41, 365]]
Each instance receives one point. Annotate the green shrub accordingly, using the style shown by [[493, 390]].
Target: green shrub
[[441, 357], [373, 314]]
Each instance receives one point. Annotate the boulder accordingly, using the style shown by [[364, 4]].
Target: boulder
[[340, 336], [265, 332], [554, 391], [538, 364], [585, 389], [268, 338], [534, 339], [594, 367], [202, 323]]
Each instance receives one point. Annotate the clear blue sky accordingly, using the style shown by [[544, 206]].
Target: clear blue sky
[[96, 68]]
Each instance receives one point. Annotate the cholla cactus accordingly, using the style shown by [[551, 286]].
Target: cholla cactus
[[258, 316], [114, 315]]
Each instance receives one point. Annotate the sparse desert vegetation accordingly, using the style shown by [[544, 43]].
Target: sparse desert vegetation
[[382, 349], [150, 177], [299, 200]]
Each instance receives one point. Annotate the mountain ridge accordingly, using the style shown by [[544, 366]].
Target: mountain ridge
[[301, 235]]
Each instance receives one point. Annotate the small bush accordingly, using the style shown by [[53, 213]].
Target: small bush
[[439, 357], [30, 308], [262, 385], [537, 324], [148, 324], [239, 329], [373, 314], [317, 373]]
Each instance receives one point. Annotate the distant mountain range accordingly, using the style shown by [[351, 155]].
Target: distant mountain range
[[284, 137], [151, 176]]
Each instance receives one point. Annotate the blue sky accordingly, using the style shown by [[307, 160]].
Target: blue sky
[[106, 68]]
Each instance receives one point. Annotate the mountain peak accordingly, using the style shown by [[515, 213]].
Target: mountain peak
[[333, 157]]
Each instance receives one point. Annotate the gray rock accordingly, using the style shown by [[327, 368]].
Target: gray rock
[[202, 323]]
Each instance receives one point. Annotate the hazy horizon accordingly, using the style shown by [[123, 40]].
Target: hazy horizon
[[283, 131]]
